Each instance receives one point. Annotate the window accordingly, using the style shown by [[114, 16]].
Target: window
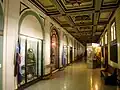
[[106, 38], [113, 32], [102, 41]]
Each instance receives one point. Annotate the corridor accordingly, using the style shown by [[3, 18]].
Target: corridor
[[75, 77]]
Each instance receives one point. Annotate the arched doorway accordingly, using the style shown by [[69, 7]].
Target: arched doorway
[[29, 49], [54, 49]]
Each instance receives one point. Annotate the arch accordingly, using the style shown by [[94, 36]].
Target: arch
[[54, 44], [31, 35], [28, 13]]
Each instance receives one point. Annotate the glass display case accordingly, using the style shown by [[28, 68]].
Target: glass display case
[[30, 53], [93, 55], [65, 56], [31, 59]]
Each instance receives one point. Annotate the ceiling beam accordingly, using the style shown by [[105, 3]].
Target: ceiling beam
[[88, 24], [88, 10], [58, 6], [96, 15]]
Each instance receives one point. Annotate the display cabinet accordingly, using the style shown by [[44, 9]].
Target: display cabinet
[[30, 53]]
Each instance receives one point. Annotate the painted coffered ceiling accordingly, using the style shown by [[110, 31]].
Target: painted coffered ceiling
[[84, 19]]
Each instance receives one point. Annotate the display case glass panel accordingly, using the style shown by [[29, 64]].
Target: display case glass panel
[[28, 60], [65, 55], [22, 54], [31, 60], [39, 62]]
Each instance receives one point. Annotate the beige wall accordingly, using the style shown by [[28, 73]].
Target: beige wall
[[31, 27]]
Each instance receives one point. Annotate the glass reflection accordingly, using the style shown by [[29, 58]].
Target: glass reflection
[[31, 62], [22, 64]]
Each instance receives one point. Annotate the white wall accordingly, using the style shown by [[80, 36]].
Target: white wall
[[31, 27]]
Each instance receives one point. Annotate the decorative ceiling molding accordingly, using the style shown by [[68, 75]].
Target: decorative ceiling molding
[[84, 19]]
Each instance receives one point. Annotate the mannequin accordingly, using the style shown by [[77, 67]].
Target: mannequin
[[30, 56], [31, 64]]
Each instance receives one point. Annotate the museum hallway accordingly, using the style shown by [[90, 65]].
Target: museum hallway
[[75, 77]]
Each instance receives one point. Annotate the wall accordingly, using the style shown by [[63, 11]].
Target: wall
[[31, 27], [11, 22], [115, 16], [11, 19]]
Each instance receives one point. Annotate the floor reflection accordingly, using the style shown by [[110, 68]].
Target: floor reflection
[[74, 77]]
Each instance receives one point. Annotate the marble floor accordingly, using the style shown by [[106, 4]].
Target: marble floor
[[74, 77]]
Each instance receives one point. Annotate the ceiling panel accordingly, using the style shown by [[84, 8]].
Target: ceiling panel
[[105, 15], [61, 19], [47, 5], [85, 28], [83, 19], [108, 2], [98, 33], [100, 28], [73, 4], [72, 30]]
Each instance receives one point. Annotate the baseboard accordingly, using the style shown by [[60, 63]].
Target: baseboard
[[22, 87], [55, 71], [61, 68]]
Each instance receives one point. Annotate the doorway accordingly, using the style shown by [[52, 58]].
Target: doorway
[[54, 49]]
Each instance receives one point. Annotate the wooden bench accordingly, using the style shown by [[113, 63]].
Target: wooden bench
[[108, 71], [110, 75]]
